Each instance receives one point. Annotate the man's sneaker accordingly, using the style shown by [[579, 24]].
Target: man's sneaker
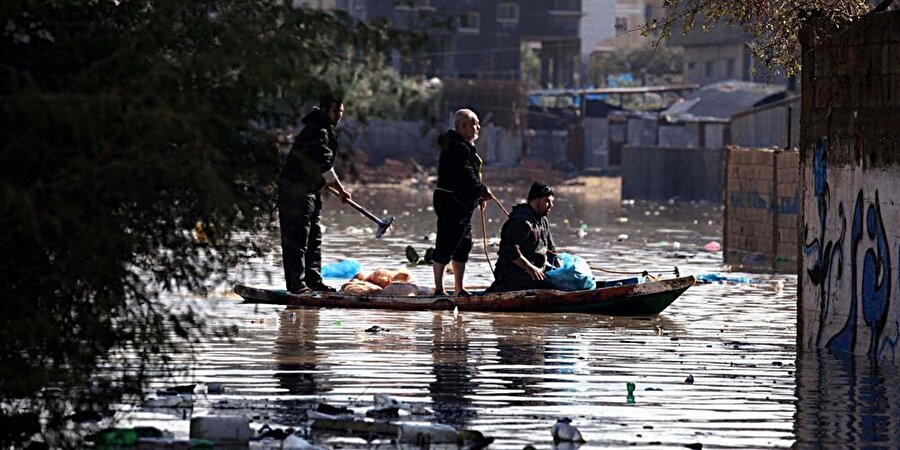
[[300, 290], [322, 288]]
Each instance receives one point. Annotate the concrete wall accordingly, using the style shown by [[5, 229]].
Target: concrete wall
[[654, 173], [384, 139], [773, 125], [547, 146], [643, 132], [500, 146], [679, 135], [596, 142], [711, 63], [850, 165], [762, 209]]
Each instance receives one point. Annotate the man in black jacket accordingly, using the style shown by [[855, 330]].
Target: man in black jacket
[[459, 190], [526, 245], [308, 169]]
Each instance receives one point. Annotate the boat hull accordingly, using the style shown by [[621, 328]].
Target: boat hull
[[635, 299]]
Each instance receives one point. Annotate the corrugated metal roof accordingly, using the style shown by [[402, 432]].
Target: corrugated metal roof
[[719, 101]]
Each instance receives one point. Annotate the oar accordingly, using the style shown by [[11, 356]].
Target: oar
[[383, 224]]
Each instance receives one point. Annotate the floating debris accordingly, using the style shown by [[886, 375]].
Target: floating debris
[[563, 431]]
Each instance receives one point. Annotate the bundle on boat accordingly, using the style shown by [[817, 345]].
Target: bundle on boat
[[397, 283]]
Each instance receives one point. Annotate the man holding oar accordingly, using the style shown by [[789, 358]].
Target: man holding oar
[[459, 189], [308, 169], [526, 245]]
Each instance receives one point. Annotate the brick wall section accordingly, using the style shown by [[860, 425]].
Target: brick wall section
[[761, 209], [849, 269], [851, 90]]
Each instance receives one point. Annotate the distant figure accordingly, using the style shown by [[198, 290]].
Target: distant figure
[[459, 190], [308, 169], [526, 246]]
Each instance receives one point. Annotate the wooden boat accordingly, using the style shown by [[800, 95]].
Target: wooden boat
[[628, 300]]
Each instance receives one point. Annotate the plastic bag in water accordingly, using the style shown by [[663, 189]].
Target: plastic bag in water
[[717, 277], [347, 268], [573, 274]]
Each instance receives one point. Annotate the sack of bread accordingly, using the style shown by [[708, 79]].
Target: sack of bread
[[384, 277], [360, 287]]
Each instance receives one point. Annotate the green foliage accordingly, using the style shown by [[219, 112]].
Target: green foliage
[[773, 25], [123, 124]]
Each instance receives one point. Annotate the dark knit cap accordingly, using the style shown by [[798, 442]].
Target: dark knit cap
[[539, 190]]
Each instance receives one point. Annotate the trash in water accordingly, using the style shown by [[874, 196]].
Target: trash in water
[[413, 256], [712, 246], [689, 379], [215, 388], [295, 442], [376, 329], [384, 412], [344, 269], [778, 286], [170, 401], [621, 237], [630, 397], [582, 230], [411, 433], [562, 431], [325, 408], [715, 277]]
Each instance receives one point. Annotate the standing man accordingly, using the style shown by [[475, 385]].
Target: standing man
[[526, 246], [308, 169], [459, 190]]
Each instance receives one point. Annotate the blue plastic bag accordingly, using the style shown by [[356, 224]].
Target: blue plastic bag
[[716, 277], [573, 274], [347, 268]]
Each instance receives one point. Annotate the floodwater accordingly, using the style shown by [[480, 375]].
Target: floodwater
[[511, 376]]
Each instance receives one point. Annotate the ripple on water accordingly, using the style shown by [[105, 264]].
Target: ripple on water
[[512, 375]]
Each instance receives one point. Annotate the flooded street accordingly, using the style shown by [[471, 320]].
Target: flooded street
[[511, 376]]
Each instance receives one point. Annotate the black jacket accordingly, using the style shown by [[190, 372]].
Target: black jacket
[[531, 234], [459, 169], [311, 155]]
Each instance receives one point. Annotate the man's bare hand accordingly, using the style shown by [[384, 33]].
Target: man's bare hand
[[345, 196], [535, 273]]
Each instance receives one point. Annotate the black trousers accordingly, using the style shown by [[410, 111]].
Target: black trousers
[[454, 229], [301, 240], [517, 281]]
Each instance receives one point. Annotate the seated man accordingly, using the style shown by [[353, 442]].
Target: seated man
[[526, 246]]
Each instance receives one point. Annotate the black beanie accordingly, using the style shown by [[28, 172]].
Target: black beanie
[[539, 190]]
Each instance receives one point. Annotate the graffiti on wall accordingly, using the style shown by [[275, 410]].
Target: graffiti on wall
[[851, 297]]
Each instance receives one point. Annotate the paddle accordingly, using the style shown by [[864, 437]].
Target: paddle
[[383, 224]]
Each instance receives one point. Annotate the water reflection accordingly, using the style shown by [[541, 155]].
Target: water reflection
[[452, 389], [846, 402], [512, 375]]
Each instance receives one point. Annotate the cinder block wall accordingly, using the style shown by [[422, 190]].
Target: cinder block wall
[[849, 281], [762, 206]]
